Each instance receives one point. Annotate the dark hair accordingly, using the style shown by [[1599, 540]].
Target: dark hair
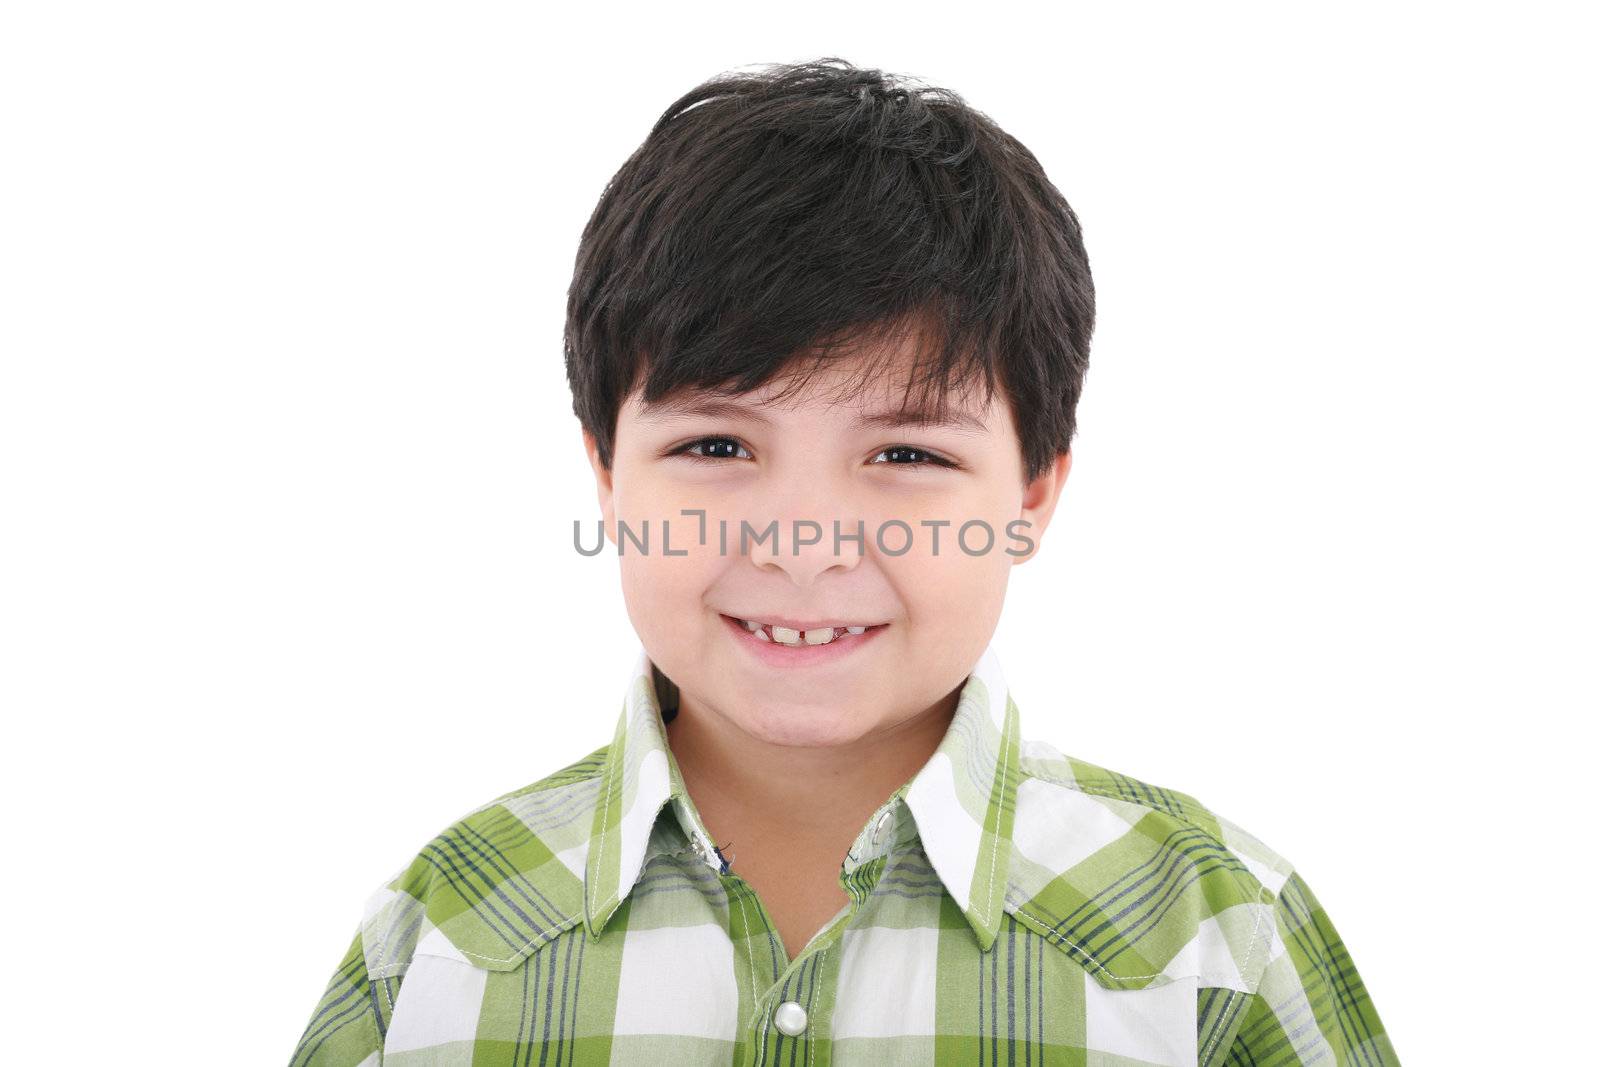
[[817, 207]]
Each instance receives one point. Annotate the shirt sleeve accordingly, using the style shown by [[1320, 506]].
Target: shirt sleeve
[[347, 1027], [1311, 1007]]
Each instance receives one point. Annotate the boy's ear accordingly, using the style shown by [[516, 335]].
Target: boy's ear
[[1039, 499], [602, 481]]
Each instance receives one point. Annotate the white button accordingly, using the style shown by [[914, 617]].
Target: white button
[[790, 1018], [881, 825]]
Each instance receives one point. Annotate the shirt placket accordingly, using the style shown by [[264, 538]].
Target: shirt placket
[[791, 1018]]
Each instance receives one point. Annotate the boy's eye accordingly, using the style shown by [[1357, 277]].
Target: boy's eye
[[714, 448], [723, 448], [911, 456]]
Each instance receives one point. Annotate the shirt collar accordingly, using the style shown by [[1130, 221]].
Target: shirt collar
[[962, 800]]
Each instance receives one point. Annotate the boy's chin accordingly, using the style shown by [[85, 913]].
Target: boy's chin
[[803, 724]]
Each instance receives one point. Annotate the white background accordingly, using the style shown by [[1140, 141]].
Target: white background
[[289, 467]]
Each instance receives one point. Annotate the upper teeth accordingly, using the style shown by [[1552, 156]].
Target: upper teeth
[[784, 635]]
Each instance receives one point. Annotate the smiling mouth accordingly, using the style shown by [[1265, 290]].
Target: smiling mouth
[[798, 637]]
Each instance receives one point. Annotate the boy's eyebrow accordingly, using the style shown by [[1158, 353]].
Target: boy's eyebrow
[[701, 407], [955, 420], [711, 407]]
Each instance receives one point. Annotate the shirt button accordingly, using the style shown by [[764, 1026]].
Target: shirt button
[[790, 1018], [880, 825]]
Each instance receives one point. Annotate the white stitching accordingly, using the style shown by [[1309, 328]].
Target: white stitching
[[1042, 927], [994, 853], [755, 998], [1255, 940], [529, 947], [605, 821], [811, 1041]]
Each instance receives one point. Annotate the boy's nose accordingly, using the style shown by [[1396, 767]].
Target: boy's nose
[[802, 560], [806, 544]]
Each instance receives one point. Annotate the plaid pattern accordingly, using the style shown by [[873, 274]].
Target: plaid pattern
[[1007, 905]]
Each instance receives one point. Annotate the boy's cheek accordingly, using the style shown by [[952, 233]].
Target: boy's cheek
[[665, 600]]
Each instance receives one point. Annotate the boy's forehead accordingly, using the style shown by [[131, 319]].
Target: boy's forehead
[[883, 393]]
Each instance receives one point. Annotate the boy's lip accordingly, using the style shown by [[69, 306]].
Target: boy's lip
[[776, 654]]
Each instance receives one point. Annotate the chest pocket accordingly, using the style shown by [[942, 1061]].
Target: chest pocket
[[926, 995], [1154, 1025], [438, 1009]]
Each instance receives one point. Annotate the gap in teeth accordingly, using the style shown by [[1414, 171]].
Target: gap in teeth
[[784, 635]]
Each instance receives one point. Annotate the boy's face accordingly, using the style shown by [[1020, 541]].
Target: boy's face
[[930, 611]]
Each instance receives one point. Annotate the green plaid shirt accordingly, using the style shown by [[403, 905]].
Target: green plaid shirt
[[1007, 905]]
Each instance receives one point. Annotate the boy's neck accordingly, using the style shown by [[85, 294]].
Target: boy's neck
[[749, 791]]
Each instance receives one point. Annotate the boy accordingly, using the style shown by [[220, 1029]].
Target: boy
[[826, 337]]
